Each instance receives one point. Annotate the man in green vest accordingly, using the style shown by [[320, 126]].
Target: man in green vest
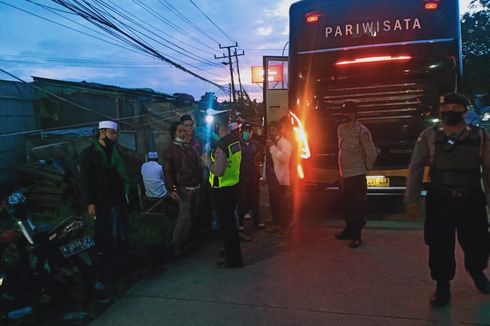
[[224, 175]]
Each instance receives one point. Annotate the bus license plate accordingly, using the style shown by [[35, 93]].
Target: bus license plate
[[377, 181], [77, 246]]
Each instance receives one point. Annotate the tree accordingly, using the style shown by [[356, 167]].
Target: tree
[[475, 30]]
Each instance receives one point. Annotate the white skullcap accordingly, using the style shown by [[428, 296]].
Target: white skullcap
[[152, 155], [233, 126], [108, 125]]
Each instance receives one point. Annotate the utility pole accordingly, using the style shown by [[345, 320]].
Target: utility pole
[[230, 63], [235, 54]]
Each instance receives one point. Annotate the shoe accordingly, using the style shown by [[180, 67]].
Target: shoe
[[355, 243], [441, 296], [481, 282], [227, 264], [241, 228], [343, 235], [260, 226], [247, 216]]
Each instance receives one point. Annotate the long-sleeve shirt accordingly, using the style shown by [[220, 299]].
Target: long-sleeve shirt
[[152, 174], [182, 166], [357, 153], [281, 153], [423, 155]]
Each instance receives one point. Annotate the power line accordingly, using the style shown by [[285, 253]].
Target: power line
[[101, 21], [212, 22], [185, 19], [170, 24], [190, 55]]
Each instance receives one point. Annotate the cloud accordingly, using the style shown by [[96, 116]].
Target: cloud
[[264, 31], [281, 10]]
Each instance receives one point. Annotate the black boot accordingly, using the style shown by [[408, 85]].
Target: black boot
[[345, 234], [442, 294], [481, 282]]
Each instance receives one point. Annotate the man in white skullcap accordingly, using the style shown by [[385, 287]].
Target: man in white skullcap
[[105, 188], [152, 174]]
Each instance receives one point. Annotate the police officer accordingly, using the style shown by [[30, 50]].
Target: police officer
[[224, 167], [357, 155], [455, 153]]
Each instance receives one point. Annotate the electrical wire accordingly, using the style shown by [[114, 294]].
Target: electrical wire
[[212, 22], [185, 19], [98, 19]]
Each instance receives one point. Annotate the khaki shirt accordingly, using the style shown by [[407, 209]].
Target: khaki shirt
[[357, 153], [423, 155]]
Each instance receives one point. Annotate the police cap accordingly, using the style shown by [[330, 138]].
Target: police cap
[[459, 99], [349, 107]]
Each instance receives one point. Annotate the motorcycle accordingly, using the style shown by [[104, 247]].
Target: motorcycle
[[58, 257]]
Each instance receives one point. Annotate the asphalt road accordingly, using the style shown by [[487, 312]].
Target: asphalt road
[[305, 278]]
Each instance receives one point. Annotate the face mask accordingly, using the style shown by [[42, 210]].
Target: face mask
[[108, 142], [246, 135], [451, 118], [179, 140]]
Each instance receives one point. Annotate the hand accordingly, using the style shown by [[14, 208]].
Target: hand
[[175, 196], [204, 159], [92, 210], [269, 143], [413, 211]]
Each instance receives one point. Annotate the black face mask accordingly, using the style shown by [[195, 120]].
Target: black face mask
[[108, 141], [452, 118]]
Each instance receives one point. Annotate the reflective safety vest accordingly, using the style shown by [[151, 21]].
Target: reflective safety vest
[[232, 147]]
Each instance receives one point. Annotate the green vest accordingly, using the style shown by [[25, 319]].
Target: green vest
[[232, 171]]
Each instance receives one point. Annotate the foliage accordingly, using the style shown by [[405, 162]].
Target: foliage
[[475, 30]]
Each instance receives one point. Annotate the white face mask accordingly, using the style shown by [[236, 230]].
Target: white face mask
[[179, 140]]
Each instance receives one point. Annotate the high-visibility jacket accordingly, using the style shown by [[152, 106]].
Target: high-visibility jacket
[[230, 145]]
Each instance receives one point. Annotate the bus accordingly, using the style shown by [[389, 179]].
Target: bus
[[393, 57]]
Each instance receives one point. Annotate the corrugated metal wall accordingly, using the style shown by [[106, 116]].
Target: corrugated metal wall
[[16, 115]]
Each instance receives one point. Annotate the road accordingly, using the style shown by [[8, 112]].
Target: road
[[306, 278]]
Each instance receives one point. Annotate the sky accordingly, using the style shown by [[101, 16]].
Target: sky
[[33, 42]]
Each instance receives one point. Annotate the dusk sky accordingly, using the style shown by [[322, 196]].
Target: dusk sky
[[33, 46]]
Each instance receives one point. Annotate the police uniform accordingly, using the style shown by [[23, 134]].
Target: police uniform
[[357, 155], [224, 177], [455, 200]]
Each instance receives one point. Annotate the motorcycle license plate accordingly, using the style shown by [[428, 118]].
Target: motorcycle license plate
[[77, 246]]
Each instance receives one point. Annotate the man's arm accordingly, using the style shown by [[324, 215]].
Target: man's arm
[[219, 165], [485, 157], [281, 151], [369, 148], [419, 160], [86, 178]]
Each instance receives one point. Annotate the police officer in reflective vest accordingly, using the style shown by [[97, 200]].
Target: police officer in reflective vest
[[224, 168], [458, 156]]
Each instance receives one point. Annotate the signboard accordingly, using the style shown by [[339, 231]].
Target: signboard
[[276, 74]]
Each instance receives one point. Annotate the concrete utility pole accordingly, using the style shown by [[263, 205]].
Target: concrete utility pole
[[230, 63], [235, 54]]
